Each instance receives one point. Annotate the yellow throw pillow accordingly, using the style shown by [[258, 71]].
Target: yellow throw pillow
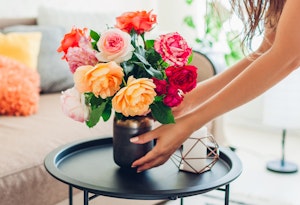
[[23, 47]]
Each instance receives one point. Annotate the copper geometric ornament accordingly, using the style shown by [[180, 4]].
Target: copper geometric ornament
[[197, 154]]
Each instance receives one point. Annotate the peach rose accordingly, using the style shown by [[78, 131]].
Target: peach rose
[[103, 79], [114, 45], [135, 98]]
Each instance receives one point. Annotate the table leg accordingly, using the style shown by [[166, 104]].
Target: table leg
[[227, 194], [181, 201], [70, 195], [85, 197]]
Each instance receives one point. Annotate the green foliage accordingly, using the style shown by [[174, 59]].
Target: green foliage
[[99, 108], [214, 20], [235, 49], [95, 36], [188, 20], [161, 112], [189, 2]]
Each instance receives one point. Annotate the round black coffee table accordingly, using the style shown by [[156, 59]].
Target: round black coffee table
[[88, 165]]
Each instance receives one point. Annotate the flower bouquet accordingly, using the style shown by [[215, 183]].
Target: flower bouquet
[[119, 69]]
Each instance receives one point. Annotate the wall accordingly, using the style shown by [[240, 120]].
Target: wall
[[169, 19], [29, 8]]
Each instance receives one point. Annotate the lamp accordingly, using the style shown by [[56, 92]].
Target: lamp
[[281, 110]]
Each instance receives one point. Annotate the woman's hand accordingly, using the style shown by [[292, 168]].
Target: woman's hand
[[185, 106], [169, 138]]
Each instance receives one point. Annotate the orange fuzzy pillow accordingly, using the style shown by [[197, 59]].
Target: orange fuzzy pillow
[[19, 88]]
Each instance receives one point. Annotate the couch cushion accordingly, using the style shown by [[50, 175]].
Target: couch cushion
[[23, 47], [19, 88], [24, 143], [54, 72]]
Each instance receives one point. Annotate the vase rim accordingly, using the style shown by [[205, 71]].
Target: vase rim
[[135, 122]]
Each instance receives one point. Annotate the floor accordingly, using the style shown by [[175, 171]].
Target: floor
[[256, 185], [256, 147]]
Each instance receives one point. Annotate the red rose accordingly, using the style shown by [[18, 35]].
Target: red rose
[[161, 86], [173, 97], [184, 78], [140, 21]]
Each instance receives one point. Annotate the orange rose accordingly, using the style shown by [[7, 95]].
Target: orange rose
[[103, 79], [135, 98], [140, 21], [71, 40]]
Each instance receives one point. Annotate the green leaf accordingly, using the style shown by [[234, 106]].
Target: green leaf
[[147, 66], [153, 57], [189, 2], [107, 111], [127, 67], [162, 113], [188, 20], [94, 35], [190, 58], [95, 115], [149, 44]]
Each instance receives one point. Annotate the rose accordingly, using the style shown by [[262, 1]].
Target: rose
[[79, 56], [173, 97], [103, 79], [184, 78], [135, 98], [140, 21], [73, 105], [71, 40], [173, 49], [161, 86], [114, 45]]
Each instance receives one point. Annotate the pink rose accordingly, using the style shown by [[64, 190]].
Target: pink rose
[[79, 57], [173, 97], [83, 54], [173, 49], [184, 78], [114, 45], [73, 105]]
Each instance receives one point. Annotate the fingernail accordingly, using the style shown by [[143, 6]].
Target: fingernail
[[134, 139]]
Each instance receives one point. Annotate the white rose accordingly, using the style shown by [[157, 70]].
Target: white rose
[[73, 105]]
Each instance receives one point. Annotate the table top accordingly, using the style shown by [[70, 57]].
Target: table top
[[88, 165]]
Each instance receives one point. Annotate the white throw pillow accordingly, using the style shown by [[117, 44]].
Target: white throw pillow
[[97, 21]]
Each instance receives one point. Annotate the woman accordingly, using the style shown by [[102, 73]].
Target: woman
[[277, 57]]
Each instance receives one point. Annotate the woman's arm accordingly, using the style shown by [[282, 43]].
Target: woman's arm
[[267, 70], [210, 87]]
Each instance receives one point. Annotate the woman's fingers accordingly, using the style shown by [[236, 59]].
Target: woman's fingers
[[144, 138], [150, 160]]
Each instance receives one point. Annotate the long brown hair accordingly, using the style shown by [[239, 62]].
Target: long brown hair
[[255, 14]]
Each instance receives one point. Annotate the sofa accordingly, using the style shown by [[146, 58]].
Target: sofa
[[26, 138]]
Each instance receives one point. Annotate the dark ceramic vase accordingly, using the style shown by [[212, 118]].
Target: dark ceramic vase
[[125, 152]]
